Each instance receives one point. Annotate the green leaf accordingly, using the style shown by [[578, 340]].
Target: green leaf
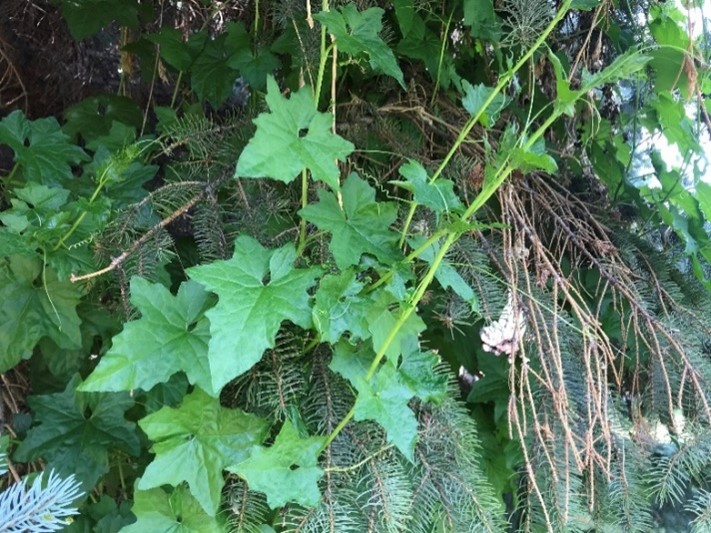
[[382, 316], [43, 152], [287, 471], [446, 275], [76, 431], [340, 308], [565, 98], [171, 336], [258, 289], [385, 397], [93, 116], [438, 196], [299, 134], [356, 34], [703, 195], [177, 512], [254, 64], [584, 5], [211, 77], [31, 309], [361, 226], [86, 17], [534, 158], [173, 49], [195, 442], [480, 15], [474, 99]]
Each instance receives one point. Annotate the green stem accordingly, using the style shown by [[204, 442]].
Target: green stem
[[486, 193], [503, 82], [324, 52], [304, 203]]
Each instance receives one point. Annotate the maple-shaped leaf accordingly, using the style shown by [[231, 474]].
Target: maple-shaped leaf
[[385, 397], [177, 512], [42, 150], [258, 289], [253, 62], [211, 77], [356, 34], [76, 430], [287, 471], [361, 226], [171, 336], [195, 442], [382, 316], [293, 137], [32, 308], [339, 307], [438, 196], [446, 274]]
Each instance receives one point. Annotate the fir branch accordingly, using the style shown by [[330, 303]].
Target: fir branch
[[41, 507]]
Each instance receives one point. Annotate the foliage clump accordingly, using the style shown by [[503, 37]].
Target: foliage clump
[[235, 295]]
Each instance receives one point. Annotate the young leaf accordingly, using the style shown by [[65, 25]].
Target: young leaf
[[362, 39], [171, 336], [177, 512], [41, 149], [534, 158], [287, 471], [361, 226], [438, 196], [300, 135], [474, 98], [258, 289], [339, 308], [381, 320], [33, 305], [386, 396], [76, 431], [446, 275], [195, 442]]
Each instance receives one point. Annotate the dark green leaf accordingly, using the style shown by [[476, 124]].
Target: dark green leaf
[[86, 17], [258, 289], [76, 431], [287, 471], [300, 136], [211, 76], [173, 49], [195, 442], [31, 309], [41, 149], [361, 226]]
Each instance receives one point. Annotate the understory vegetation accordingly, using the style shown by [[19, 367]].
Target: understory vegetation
[[410, 266]]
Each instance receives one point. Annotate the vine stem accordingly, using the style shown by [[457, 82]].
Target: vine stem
[[469, 125], [487, 192]]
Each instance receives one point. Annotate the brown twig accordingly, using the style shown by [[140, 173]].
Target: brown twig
[[117, 261]]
